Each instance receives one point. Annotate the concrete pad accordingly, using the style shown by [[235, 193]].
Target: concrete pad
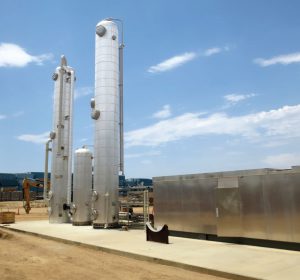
[[217, 258]]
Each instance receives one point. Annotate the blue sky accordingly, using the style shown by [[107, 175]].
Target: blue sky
[[209, 85]]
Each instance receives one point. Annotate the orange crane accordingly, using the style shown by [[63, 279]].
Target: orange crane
[[26, 184]]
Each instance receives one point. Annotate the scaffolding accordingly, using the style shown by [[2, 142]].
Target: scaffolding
[[134, 210]]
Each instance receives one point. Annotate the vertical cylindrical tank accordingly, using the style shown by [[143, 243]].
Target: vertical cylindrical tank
[[82, 187], [61, 135], [105, 112]]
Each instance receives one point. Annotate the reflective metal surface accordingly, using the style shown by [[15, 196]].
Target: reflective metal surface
[[82, 187], [294, 186], [278, 199], [228, 212], [270, 206], [260, 204], [107, 138], [187, 203], [254, 219], [61, 135]]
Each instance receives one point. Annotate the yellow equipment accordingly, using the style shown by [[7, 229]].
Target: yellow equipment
[[26, 184]]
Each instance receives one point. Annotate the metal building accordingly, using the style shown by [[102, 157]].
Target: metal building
[[258, 204], [8, 182]]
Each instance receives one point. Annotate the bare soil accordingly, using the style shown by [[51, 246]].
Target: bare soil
[[38, 210], [28, 257], [24, 256]]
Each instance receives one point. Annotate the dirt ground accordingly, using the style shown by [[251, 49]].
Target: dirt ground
[[37, 212], [23, 256]]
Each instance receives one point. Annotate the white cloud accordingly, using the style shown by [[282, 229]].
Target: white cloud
[[12, 55], [164, 113], [181, 59], [215, 50], [282, 160], [14, 115], [34, 138], [276, 143], [212, 51], [282, 123], [83, 91], [83, 139], [281, 59], [235, 98], [145, 154], [172, 62], [18, 114], [146, 161]]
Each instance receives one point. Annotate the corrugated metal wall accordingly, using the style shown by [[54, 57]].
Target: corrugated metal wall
[[260, 204]]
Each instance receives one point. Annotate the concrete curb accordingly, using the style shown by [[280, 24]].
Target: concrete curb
[[194, 268]]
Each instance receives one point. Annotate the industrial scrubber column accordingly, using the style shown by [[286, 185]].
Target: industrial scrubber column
[[61, 135], [105, 112]]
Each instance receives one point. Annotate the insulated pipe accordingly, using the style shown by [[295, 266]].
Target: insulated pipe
[[121, 47], [70, 152], [60, 105], [121, 86], [47, 150]]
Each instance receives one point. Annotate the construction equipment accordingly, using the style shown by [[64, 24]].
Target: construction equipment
[[26, 184]]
